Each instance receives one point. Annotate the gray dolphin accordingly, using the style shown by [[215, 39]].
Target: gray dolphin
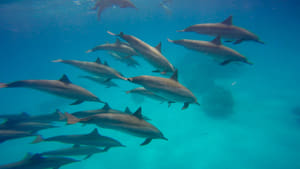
[[62, 87], [213, 48], [133, 124], [101, 80], [168, 88], [75, 150], [13, 134], [91, 139], [101, 5], [96, 68], [144, 92], [224, 29], [149, 53], [36, 161], [27, 126], [130, 61]]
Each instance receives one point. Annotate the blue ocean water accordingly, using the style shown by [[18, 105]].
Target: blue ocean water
[[246, 119]]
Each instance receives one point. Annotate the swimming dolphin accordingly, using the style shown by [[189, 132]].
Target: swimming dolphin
[[27, 126], [130, 61], [75, 150], [133, 124], [91, 139], [101, 80], [36, 161], [149, 53], [96, 68], [224, 29], [104, 4], [144, 92], [13, 134], [213, 48], [62, 87], [168, 88]]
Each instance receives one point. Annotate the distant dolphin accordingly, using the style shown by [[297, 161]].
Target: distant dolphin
[[13, 134], [133, 124], [224, 29], [91, 139], [104, 4], [38, 162], [167, 88], [96, 68], [144, 92], [130, 61], [149, 53], [62, 87], [101, 80], [213, 48], [75, 150]]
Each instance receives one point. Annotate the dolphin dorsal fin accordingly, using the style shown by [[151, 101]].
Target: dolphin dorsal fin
[[138, 113], [118, 41], [127, 110], [106, 107], [76, 146], [175, 76], [105, 63], [217, 41], [65, 79], [98, 61], [158, 47], [94, 132], [228, 21]]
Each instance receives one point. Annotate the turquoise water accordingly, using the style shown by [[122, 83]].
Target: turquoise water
[[246, 118]]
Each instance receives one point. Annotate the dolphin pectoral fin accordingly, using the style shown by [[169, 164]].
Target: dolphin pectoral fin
[[107, 80], [185, 106], [88, 156], [238, 41], [147, 141], [77, 102], [170, 103], [225, 62]]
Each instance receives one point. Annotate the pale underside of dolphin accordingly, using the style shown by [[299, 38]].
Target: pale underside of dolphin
[[224, 29], [62, 87]]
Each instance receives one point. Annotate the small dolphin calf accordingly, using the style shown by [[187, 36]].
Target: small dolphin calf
[[170, 89], [101, 80], [91, 139], [149, 53], [104, 4], [130, 123], [36, 161], [224, 29], [213, 48], [13, 134], [96, 68], [144, 92], [130, 61], [62, 87], [76, 150]]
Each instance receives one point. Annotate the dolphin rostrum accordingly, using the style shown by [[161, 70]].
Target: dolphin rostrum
[[149, 53], [133, 124], [213, 48], [224, 29], [96, 68], [62, 87], [91, 139], [168, 88]]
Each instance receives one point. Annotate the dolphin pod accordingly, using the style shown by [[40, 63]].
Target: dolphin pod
[[224, 29], [62, 87]]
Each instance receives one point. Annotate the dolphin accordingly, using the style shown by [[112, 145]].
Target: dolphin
[[149, 53], [118, 46], [75, 150], [168, 88], [213, 48], [130, 61], [144, 92], [27, 126], [96, 68], [101, 80], [101, 5], [62, 87], [224, 29], [13, 134], [91, 139], [133, 124], [15, 117], [37, 161]]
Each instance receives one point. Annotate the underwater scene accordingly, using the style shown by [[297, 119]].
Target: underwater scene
[[110, 84]]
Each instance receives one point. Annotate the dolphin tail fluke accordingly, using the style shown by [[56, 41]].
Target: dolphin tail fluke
[[185, 106], [38, 139], [56, 61], [147, 141], [71, 119]]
